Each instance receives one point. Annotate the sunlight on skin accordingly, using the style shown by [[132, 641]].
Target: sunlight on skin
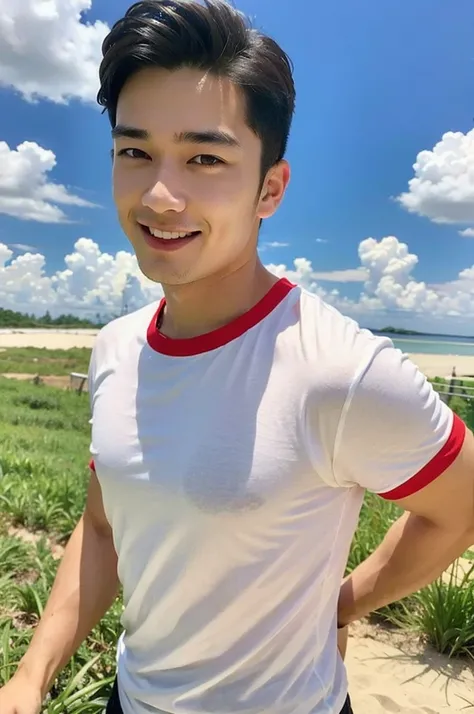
[[163, 185]]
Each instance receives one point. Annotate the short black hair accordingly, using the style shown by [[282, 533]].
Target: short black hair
[[213, 36]]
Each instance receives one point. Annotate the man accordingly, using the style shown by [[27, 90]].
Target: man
[[237, 423]]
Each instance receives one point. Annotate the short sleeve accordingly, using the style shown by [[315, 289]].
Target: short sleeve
[[92, 388], [396, 435], [90, 382]]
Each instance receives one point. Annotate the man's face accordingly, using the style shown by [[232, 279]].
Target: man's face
[[192, 169]]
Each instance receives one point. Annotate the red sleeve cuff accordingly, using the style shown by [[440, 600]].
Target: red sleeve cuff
[[435, 467], [92, 465]]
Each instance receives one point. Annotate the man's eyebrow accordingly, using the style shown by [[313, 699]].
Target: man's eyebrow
[[129, 132], [217, 137], [212, 136]]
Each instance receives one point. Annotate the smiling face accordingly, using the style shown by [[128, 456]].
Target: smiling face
[[186, 175]]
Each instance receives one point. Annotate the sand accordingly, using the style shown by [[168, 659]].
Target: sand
[[442, 365], [51, 339], [391, 673], [388, 673]]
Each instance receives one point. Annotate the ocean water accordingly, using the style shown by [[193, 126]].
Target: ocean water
[[433, 344]]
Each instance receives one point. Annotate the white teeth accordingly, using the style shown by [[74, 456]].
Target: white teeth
[[167, 235]]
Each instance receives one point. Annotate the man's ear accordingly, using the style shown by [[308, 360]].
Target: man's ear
[[273, 189]]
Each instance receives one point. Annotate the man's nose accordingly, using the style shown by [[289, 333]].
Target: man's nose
[[165, 193]]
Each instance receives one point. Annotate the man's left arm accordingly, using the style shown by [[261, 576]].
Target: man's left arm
[[400, 441], [437, 528]]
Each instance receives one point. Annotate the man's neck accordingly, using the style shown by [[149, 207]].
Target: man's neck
[[208, 304]]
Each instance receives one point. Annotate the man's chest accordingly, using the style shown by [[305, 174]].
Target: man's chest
[[222, 439]]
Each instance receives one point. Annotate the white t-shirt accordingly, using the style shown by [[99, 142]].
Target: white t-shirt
[[233, 467]]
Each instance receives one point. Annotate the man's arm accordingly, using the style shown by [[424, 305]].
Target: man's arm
[[438, 527], [85, 587]]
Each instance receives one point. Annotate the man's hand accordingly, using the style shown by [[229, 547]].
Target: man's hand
[[342, 638], [20, 697]]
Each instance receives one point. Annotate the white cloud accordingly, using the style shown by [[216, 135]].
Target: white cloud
[[23, 280], [353, 275], [273, 244], [467, 233], [387, 258], [48, 51], [25, 191], [321, 240], [389, 285], [304, 274], [443, 186], [93, 281], [467, 274], [23, 247]]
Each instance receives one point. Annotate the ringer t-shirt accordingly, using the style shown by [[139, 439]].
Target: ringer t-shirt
[[233, 467]]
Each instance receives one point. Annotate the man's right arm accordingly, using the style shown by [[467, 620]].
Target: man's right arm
[[85, 587]]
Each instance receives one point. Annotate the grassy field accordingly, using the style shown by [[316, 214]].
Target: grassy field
[[32, 360], [44, 451], [463, 407]]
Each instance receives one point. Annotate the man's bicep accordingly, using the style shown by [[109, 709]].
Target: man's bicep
[[94, 509], [448, 500]]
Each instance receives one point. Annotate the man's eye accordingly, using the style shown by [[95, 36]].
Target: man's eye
[[207, 160], [133, 153]]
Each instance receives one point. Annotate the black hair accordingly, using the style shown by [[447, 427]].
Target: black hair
[[212, 36]]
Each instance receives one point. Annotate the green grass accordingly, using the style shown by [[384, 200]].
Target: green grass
[[443, 613], [33, 360], [44, 452], [463, 407]]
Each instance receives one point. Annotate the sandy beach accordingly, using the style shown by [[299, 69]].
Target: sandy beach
[[389, 672], [442, 365], [50, 339], [431, 365]]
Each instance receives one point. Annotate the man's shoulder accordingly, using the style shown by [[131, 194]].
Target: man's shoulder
[[336, 336]]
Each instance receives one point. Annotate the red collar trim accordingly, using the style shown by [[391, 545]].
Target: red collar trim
[[222, 335]]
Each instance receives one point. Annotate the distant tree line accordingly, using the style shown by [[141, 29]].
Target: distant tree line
[[399, 331], [12, 319]]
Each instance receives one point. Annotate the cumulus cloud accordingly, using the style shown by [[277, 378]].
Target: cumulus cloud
[[93, 281], [25, 191], [387, 258], [392, 286], [48, 50], [389, 284], [443, 186], [24, 280], [304, 274], [467, 233]]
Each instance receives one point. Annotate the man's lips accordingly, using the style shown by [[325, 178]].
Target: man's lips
[[169, 232], [168, 240]]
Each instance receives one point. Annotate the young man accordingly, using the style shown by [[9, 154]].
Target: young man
[[237, 423]]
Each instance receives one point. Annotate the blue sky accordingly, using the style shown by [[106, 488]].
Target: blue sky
[[377, 83]]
